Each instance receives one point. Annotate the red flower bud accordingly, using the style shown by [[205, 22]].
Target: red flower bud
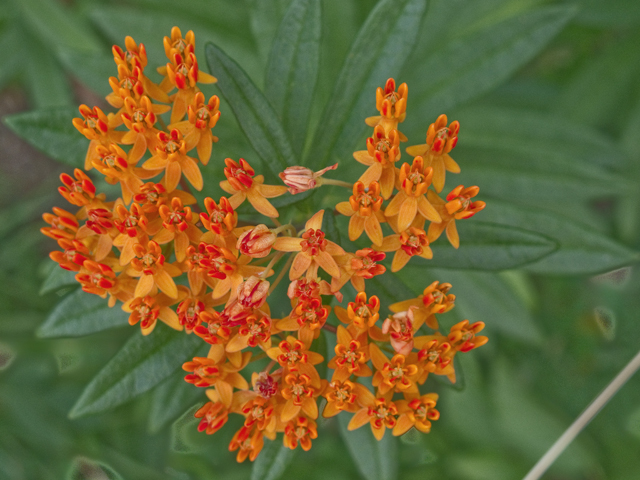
[[257, 242], [301, 179]]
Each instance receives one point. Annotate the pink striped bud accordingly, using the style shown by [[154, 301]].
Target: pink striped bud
[[301, 179], [257, 242], [252, 293]]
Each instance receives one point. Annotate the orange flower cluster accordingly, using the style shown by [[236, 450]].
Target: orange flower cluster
[[133, 248]]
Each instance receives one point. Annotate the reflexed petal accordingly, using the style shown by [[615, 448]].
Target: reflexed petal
[[452, 234], [345, 209], [169, 317], [387, 179], [407, 213], [356, 227], [181, 243], [342, 335], [163, 236], [289, 411], [377, 357], [363, 157], [373, 229], [144, 286], [299, 266], [310, 407], [226, 186], [328, 264], [155, 163], [439, 174], [271, 191], [416, 150], [204, 148], [165, 283], [378, 432], [261, 204], [225, 392], [359, 419], [371, 174], [394, 205], [236, 199], [315, 222], [172, 176], [330, 410], [450, 164], [287, 244], [103, 247], [334, 249], [402, 426], [435, 230], [428, 211], [427, 253], [400, 259], [192, 172], [237, 343], [390, 243]]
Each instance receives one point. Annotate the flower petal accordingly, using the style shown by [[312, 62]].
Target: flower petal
[[373, 229], [407, 213], [192, 172], [452, 234], [356, 227], [165, 283], [400, 259], [428, 211], [328, 264], [315, 222], [287, 244], [261, 204]]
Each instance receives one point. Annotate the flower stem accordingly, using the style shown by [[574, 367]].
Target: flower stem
[[329, 328], [273, 261], [330, 181], [285, 269], [583, 420]]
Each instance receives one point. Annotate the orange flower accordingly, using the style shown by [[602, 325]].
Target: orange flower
[[135, 56], [100, 279], [392, 106], [79, 192], [382, 152], [400, 329], [171, 155], [255, 332], [178, 226], [242, 184], [363, 265], [150, 266], [307, 317], [148, 309], [300, 391], [140, 117], [393, 375], [440, 141], [457, 207], [411, 200], [463, 337], [351, 356], [434, 299], [380, 414], [409, 243], [435, 356], [98, 128], [221, 220], [213, 415], [202, 117], [63, 224], [364, 209], [362, 315], [314, 250], [257, 242], [301, 430], [248, 445], [73, 255], [345, 396], [418, 413], [222, 376], [292, 354]]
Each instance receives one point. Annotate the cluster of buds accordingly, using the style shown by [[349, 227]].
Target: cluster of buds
[[131, 250]]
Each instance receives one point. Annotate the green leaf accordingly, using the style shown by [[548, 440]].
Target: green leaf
[[272, 461], [51, 131], [44, 77], [141, 364], [169, 399], [376, 460], [83, 468], [57, 279], [581, 249], [252, 110], [381, 48], [92, 68], [555, 142], [58, 26], [265, 17], [81, 313], [486, 297], [468, 66], [607, 96], [489, 246], [184, 433], [293, 68]]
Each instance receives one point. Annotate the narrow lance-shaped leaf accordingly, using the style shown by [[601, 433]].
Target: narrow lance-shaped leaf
[[582, 250], [273, 460], [486, 246], [81, 313], [293, 68], [376, 460], [57, 279], [381, 48], [141, 364], [480, 61], [51, 131], [256, 117]]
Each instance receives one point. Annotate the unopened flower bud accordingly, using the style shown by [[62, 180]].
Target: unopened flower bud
[[252, 293], [301, 179], [400, 328], [257, 242]]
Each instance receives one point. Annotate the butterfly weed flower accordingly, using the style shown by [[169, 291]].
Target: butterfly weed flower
[[135, 249]]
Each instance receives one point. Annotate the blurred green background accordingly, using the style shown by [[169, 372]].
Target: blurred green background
[[548, 98]]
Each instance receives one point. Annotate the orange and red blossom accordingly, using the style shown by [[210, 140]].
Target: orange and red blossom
[[242, 185], [313, 250], [300, 179], [362, 315], [300, 430], [382, 152], [351, 356], [293, 354], [345, 396], [213, 417], [392, 106], [381, 414], [440, 141], [79, 192], [398, 374], [410, 243], [202, 117], [249, 444], [463, 336], [171, 155], [300, 390], [434, 299], [419, 413], [411, 200], [364, 264], [458, 206], [150, 266], [364, 209]]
